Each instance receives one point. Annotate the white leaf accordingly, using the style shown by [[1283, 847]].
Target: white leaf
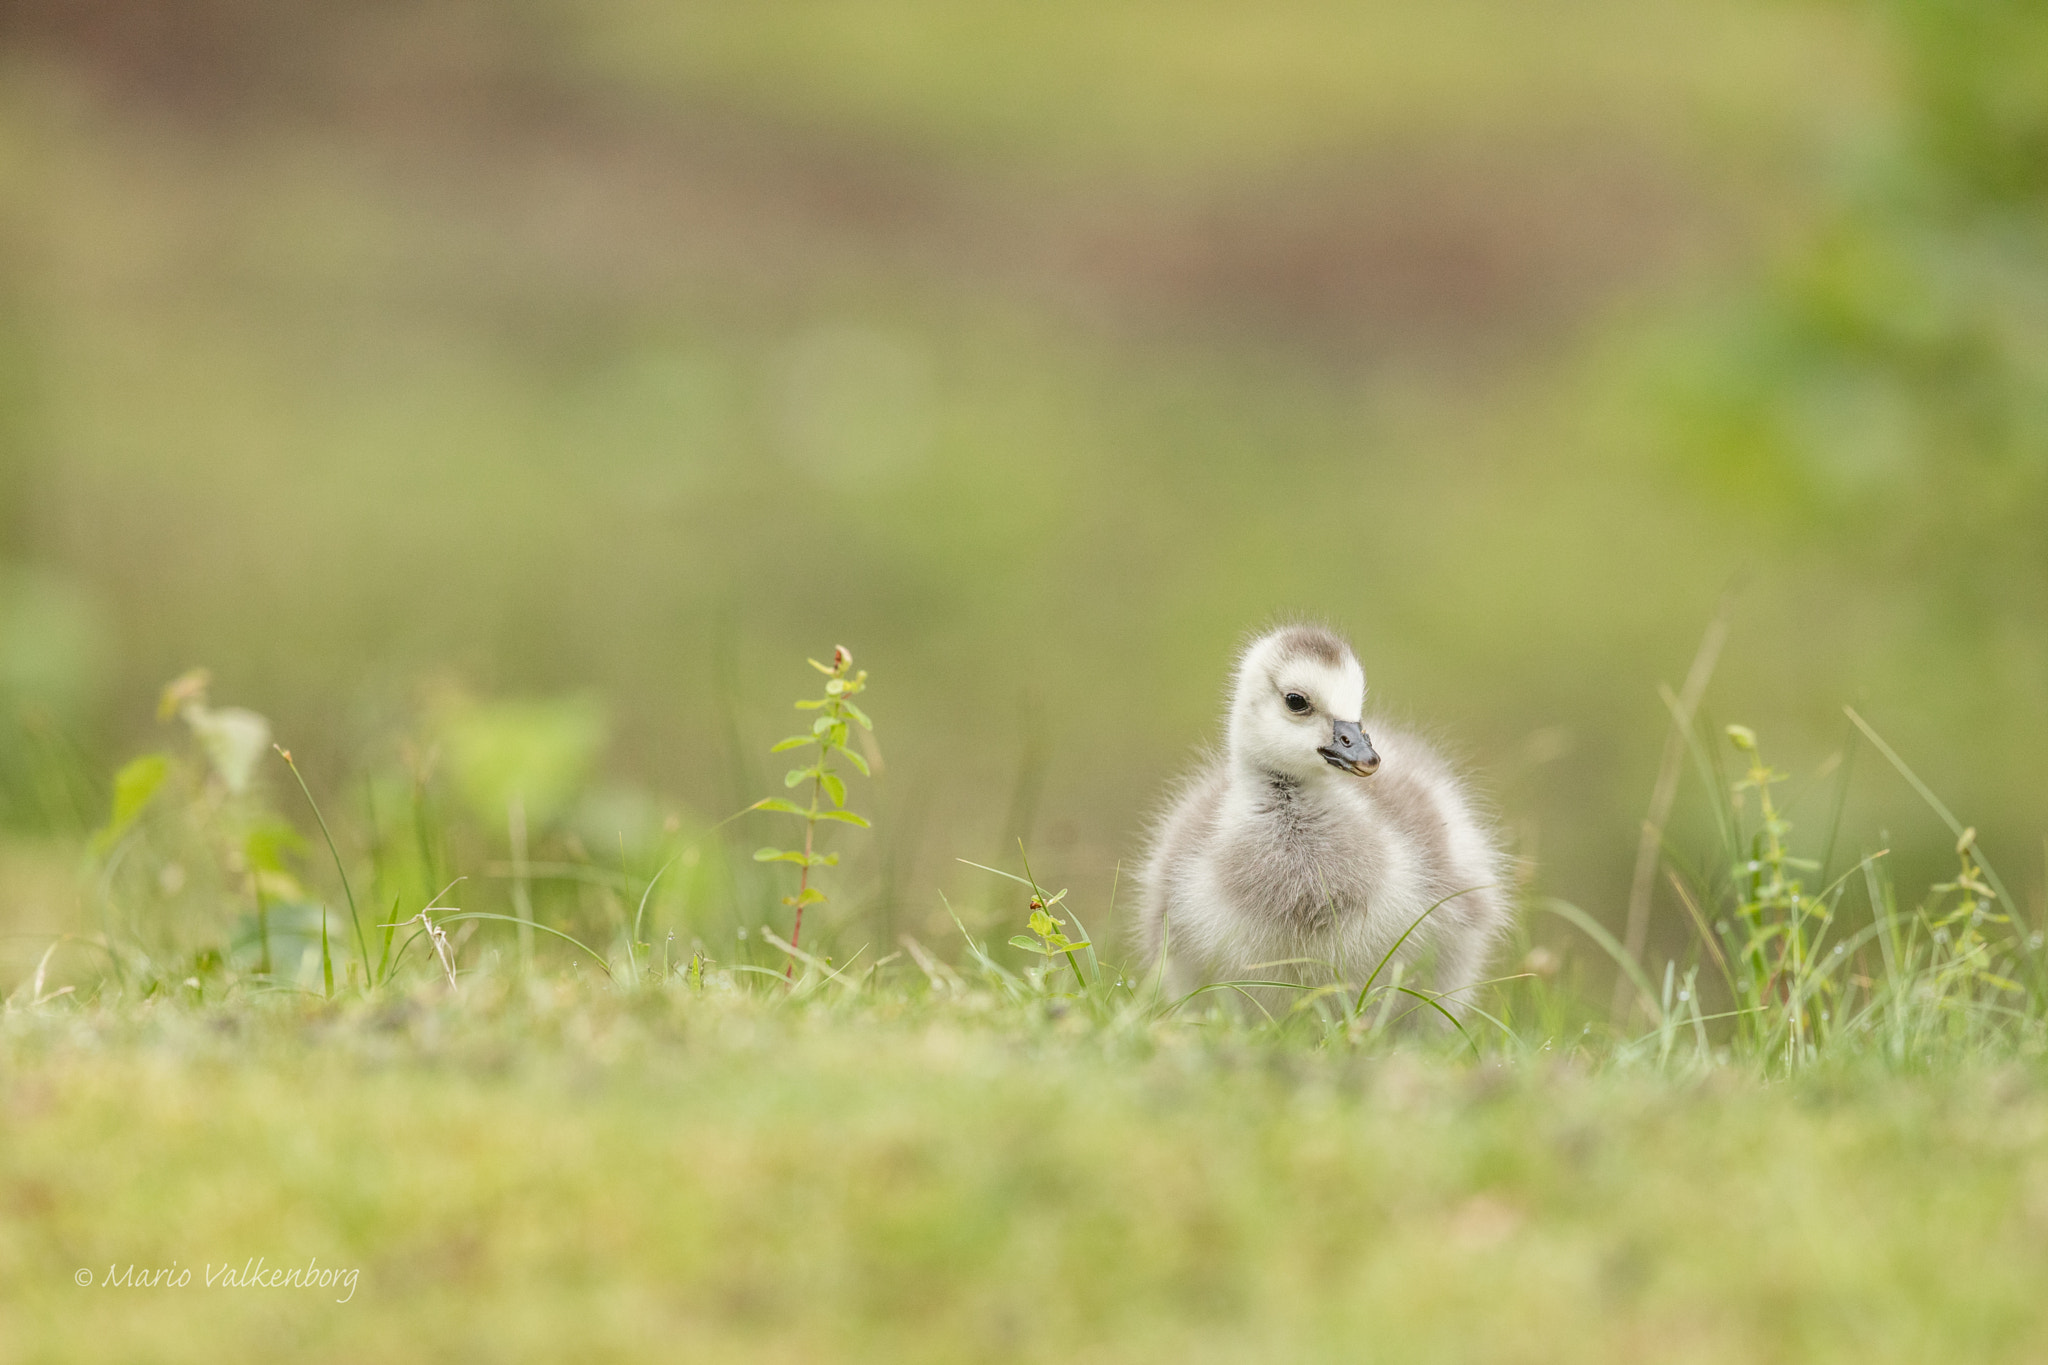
[[234, 739]]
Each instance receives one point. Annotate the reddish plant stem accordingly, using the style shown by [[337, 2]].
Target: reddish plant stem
[[803, 884]]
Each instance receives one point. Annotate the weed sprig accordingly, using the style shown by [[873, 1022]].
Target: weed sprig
[[827, 736]]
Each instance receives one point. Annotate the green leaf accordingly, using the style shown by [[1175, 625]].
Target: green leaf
[[536, 751], [776, 803], [1049, 930], [856, 760], [858, 715], [134, 787], [845, 817], [833, 787], [791, 855], [809, 705], [267, 842], [810, 895], [794, 776], [1030, 945], [821, 725], [793, 742]]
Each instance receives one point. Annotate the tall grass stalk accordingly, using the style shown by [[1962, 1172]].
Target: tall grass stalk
[[362, 944]]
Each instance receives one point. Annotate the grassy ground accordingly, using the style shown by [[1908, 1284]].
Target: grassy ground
[[612, 1125], [558, 1170]]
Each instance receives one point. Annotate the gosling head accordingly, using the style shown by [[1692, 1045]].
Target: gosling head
[[1296, 706]]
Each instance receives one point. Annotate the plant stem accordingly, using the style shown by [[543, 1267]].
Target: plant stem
[[522, 901], [262, 922], [1650, 843], [803, 882]]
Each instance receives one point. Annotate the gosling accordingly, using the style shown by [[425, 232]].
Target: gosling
[[1309, 848]]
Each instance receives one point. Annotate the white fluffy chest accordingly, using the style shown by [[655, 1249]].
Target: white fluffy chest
[[1280, 888]]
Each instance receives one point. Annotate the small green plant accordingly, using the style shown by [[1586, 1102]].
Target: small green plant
[[1803, 975], [200, 832], [1953, 972], [1048, 936], [1773, 935], [827, 736], [1971, 932]]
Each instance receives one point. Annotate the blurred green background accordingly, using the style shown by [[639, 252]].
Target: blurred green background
[[373, 354]]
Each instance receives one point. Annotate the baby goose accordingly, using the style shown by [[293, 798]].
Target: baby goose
[[1308, 840]]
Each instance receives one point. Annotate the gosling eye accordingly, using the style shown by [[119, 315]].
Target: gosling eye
[[1297, 703]]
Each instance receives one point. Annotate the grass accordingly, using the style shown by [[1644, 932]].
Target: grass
[[545, 1168], [728, 1147]]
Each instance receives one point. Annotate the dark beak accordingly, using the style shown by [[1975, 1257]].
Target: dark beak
[[1350, 749]]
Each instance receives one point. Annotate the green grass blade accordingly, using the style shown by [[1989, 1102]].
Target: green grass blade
[[1388, 956], [594, 955], [1934, 803], [362, 944], [1593, 929]]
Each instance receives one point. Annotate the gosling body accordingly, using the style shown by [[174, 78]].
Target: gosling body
[[1315, 841]]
